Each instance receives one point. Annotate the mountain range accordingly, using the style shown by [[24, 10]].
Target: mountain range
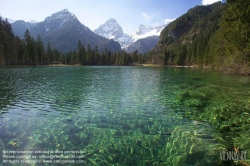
[[63, 30], [112, 30]]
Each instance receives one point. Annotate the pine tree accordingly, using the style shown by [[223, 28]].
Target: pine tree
[[49, 54], [80, 52], [19, 48], [30, 51], [7, 38], [95, 56], [40, 50], [109, 61], [89, 54]]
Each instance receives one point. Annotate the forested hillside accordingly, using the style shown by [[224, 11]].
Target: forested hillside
[[216, 35]]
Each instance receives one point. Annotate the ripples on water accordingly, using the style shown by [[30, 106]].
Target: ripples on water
[[119, 115]]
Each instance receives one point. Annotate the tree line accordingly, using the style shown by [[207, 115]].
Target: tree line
[[30, 51]]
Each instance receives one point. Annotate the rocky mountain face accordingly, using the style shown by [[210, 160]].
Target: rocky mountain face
[[55, 22], [20, 26], [63, 30], [145, 31], [143, 45], [112, 30]]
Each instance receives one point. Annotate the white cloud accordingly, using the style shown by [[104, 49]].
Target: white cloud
[[208, 2], [167, 21], [146, 16]]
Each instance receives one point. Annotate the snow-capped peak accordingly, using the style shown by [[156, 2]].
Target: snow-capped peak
[[112, 21], [58, 20], [65, 11], [145, 31], [110, 29], [33, 21], [64, 14]]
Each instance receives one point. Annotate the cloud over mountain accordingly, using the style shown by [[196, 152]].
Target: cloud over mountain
[[208, 2]]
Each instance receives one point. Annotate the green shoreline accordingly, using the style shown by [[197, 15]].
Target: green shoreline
[[206, 67]]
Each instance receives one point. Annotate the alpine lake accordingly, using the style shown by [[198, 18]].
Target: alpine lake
[[124, 116]]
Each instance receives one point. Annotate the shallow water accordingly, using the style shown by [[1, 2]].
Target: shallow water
[[125, 115]]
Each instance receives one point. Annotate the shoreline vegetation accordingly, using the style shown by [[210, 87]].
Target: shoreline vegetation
[[205, 67]]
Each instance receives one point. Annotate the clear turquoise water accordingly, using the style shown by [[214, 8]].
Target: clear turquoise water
[[125, 115]]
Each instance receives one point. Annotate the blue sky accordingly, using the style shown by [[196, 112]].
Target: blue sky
[[92, 13]]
